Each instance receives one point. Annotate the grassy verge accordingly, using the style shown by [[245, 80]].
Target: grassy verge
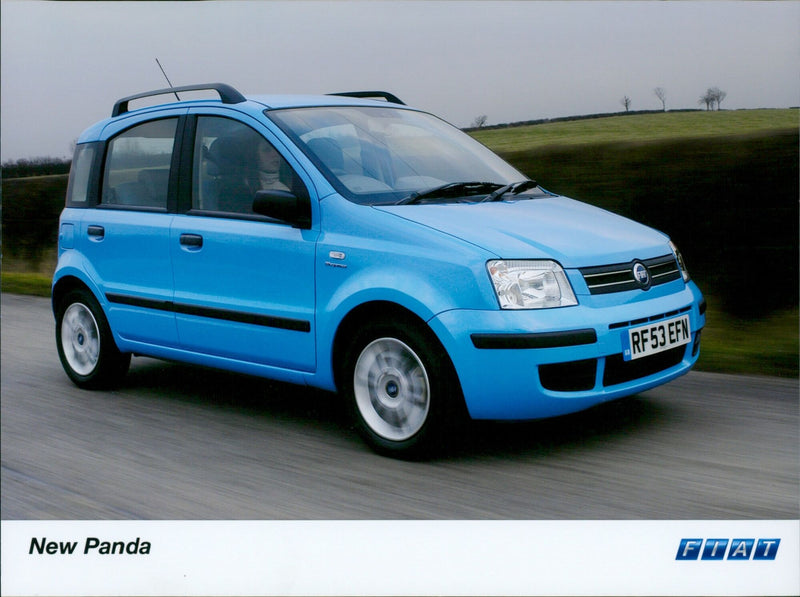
[[766, 346], [25, 283]]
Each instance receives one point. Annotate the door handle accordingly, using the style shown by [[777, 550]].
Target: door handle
[[192, 241], [96, 232]]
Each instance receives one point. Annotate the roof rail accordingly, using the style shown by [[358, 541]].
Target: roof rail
[[227, 94], [389, 97]]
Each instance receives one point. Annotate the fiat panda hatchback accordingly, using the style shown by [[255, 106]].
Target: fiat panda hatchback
[[351, 243]]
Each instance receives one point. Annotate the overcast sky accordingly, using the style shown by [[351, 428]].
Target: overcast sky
[[64, 64]]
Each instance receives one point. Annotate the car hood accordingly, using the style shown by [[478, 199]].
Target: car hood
[[573, 233]]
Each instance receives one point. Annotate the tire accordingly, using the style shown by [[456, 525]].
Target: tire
[[402, 390], [86, 347]]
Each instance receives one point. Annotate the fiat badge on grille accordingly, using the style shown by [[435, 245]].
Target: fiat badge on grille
[[641, 275]]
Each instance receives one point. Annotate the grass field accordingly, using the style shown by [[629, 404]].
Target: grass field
[[638, 128]]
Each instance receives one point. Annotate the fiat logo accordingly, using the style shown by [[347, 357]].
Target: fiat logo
[[641, 275]]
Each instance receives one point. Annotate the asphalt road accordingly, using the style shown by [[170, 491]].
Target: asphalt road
[[180, 442]]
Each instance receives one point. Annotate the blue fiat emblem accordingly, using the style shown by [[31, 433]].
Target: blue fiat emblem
[[641, 275]]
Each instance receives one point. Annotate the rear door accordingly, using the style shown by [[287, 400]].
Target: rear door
[[244, 284], [126, 236]]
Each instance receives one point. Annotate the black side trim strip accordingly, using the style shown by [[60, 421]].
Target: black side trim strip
[[134, 301], [284, 323], [535, 340]]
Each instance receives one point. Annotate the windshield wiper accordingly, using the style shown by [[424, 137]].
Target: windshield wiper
[[514, 188], [451, 189]]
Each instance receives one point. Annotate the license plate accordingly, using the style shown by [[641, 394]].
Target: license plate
[[656, 337]]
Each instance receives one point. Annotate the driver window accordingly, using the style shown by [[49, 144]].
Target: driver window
[[231, 163]]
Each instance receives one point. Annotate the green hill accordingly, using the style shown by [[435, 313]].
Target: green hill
[[635, 128]]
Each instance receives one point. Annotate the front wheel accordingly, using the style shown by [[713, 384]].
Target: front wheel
[[402, 389], [86, 347]]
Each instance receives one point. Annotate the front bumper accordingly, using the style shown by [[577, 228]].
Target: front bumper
[[543, 363]]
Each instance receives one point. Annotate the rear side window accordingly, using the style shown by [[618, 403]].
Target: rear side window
[[137, 165], [79, 175]]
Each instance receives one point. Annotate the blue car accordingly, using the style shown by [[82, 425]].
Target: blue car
[[354, 244]]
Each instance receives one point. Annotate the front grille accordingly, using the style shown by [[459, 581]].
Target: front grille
[[619, 277]]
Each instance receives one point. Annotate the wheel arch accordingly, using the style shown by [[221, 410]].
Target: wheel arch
[[374, 313], [65, 285], [88, 352]]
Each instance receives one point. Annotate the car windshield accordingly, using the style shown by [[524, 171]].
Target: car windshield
[[380, 156]]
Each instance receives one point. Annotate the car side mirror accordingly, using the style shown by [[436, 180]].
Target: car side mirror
[[284, 206]]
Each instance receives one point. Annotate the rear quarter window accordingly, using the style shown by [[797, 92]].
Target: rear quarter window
[[80, 175]]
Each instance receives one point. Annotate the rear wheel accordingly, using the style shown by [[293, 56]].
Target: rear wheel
[[86, 347], [402, 389]]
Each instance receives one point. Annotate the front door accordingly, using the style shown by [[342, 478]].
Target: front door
[[244, 284]]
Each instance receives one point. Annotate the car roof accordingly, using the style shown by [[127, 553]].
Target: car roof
[[231, 97]]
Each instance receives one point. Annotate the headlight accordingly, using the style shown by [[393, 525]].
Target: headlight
[[530, 284], [681, 263]]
